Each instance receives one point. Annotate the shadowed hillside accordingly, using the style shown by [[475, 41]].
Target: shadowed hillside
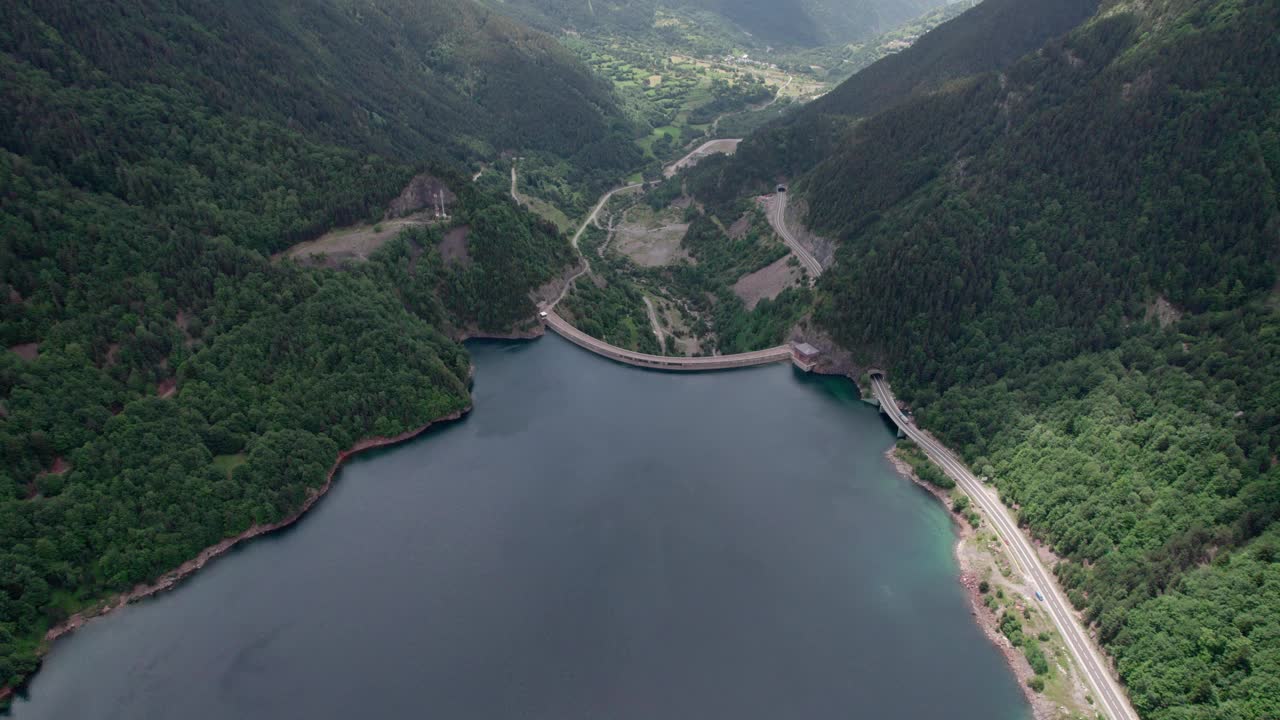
[[794, 23], [1000, 240], [122, 96], [165, 386], [989, 36]]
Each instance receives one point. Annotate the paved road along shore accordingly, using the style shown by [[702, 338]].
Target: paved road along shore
[[1112, 699]]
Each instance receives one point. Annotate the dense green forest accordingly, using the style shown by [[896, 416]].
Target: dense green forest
[[1069, 266], [261, 111], [509, 252], [164, 384], [267, 368], [991, 35]]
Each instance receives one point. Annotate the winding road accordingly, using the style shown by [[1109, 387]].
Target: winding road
[[720, 145], [654, 323], [1114, 702], [595, 211], [778, 219], [780, 353], [586, 264], [706, 149], [715, 124]]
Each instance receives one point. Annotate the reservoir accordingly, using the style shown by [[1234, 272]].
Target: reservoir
[[594, 542]]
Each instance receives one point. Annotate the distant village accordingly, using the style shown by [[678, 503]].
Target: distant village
[[745, 59]]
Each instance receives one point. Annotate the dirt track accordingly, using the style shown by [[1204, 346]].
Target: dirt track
[[706, 149]]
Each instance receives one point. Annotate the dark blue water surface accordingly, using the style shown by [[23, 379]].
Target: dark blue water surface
[[593, 542]]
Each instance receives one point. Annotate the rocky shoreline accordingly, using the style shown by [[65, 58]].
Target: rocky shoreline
[[172, 578], [838, 361], [532, 333], [1042, 708]]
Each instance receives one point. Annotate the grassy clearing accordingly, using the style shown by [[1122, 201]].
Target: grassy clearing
[[663, 82], [549, 212], [1026, 623], [228, 463]]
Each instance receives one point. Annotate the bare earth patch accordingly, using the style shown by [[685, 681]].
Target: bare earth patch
[[655, 322], [767, 282], [59, 467], [679, 338], [351, 244], [652, 247], [707, 149], [424, 191], [454, 247], [553, 288], [1163, 312], [740, 228], [425, 200], [167, 388], [183, 321], [26, 351]]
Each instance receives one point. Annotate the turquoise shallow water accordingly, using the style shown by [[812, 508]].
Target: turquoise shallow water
[[593, 541]]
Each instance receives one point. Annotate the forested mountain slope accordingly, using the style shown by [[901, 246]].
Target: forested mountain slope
[[792, 23], [1070, 268], [991, 35], [97, 89], [987, 37], [1110, 167], [164, 384]]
